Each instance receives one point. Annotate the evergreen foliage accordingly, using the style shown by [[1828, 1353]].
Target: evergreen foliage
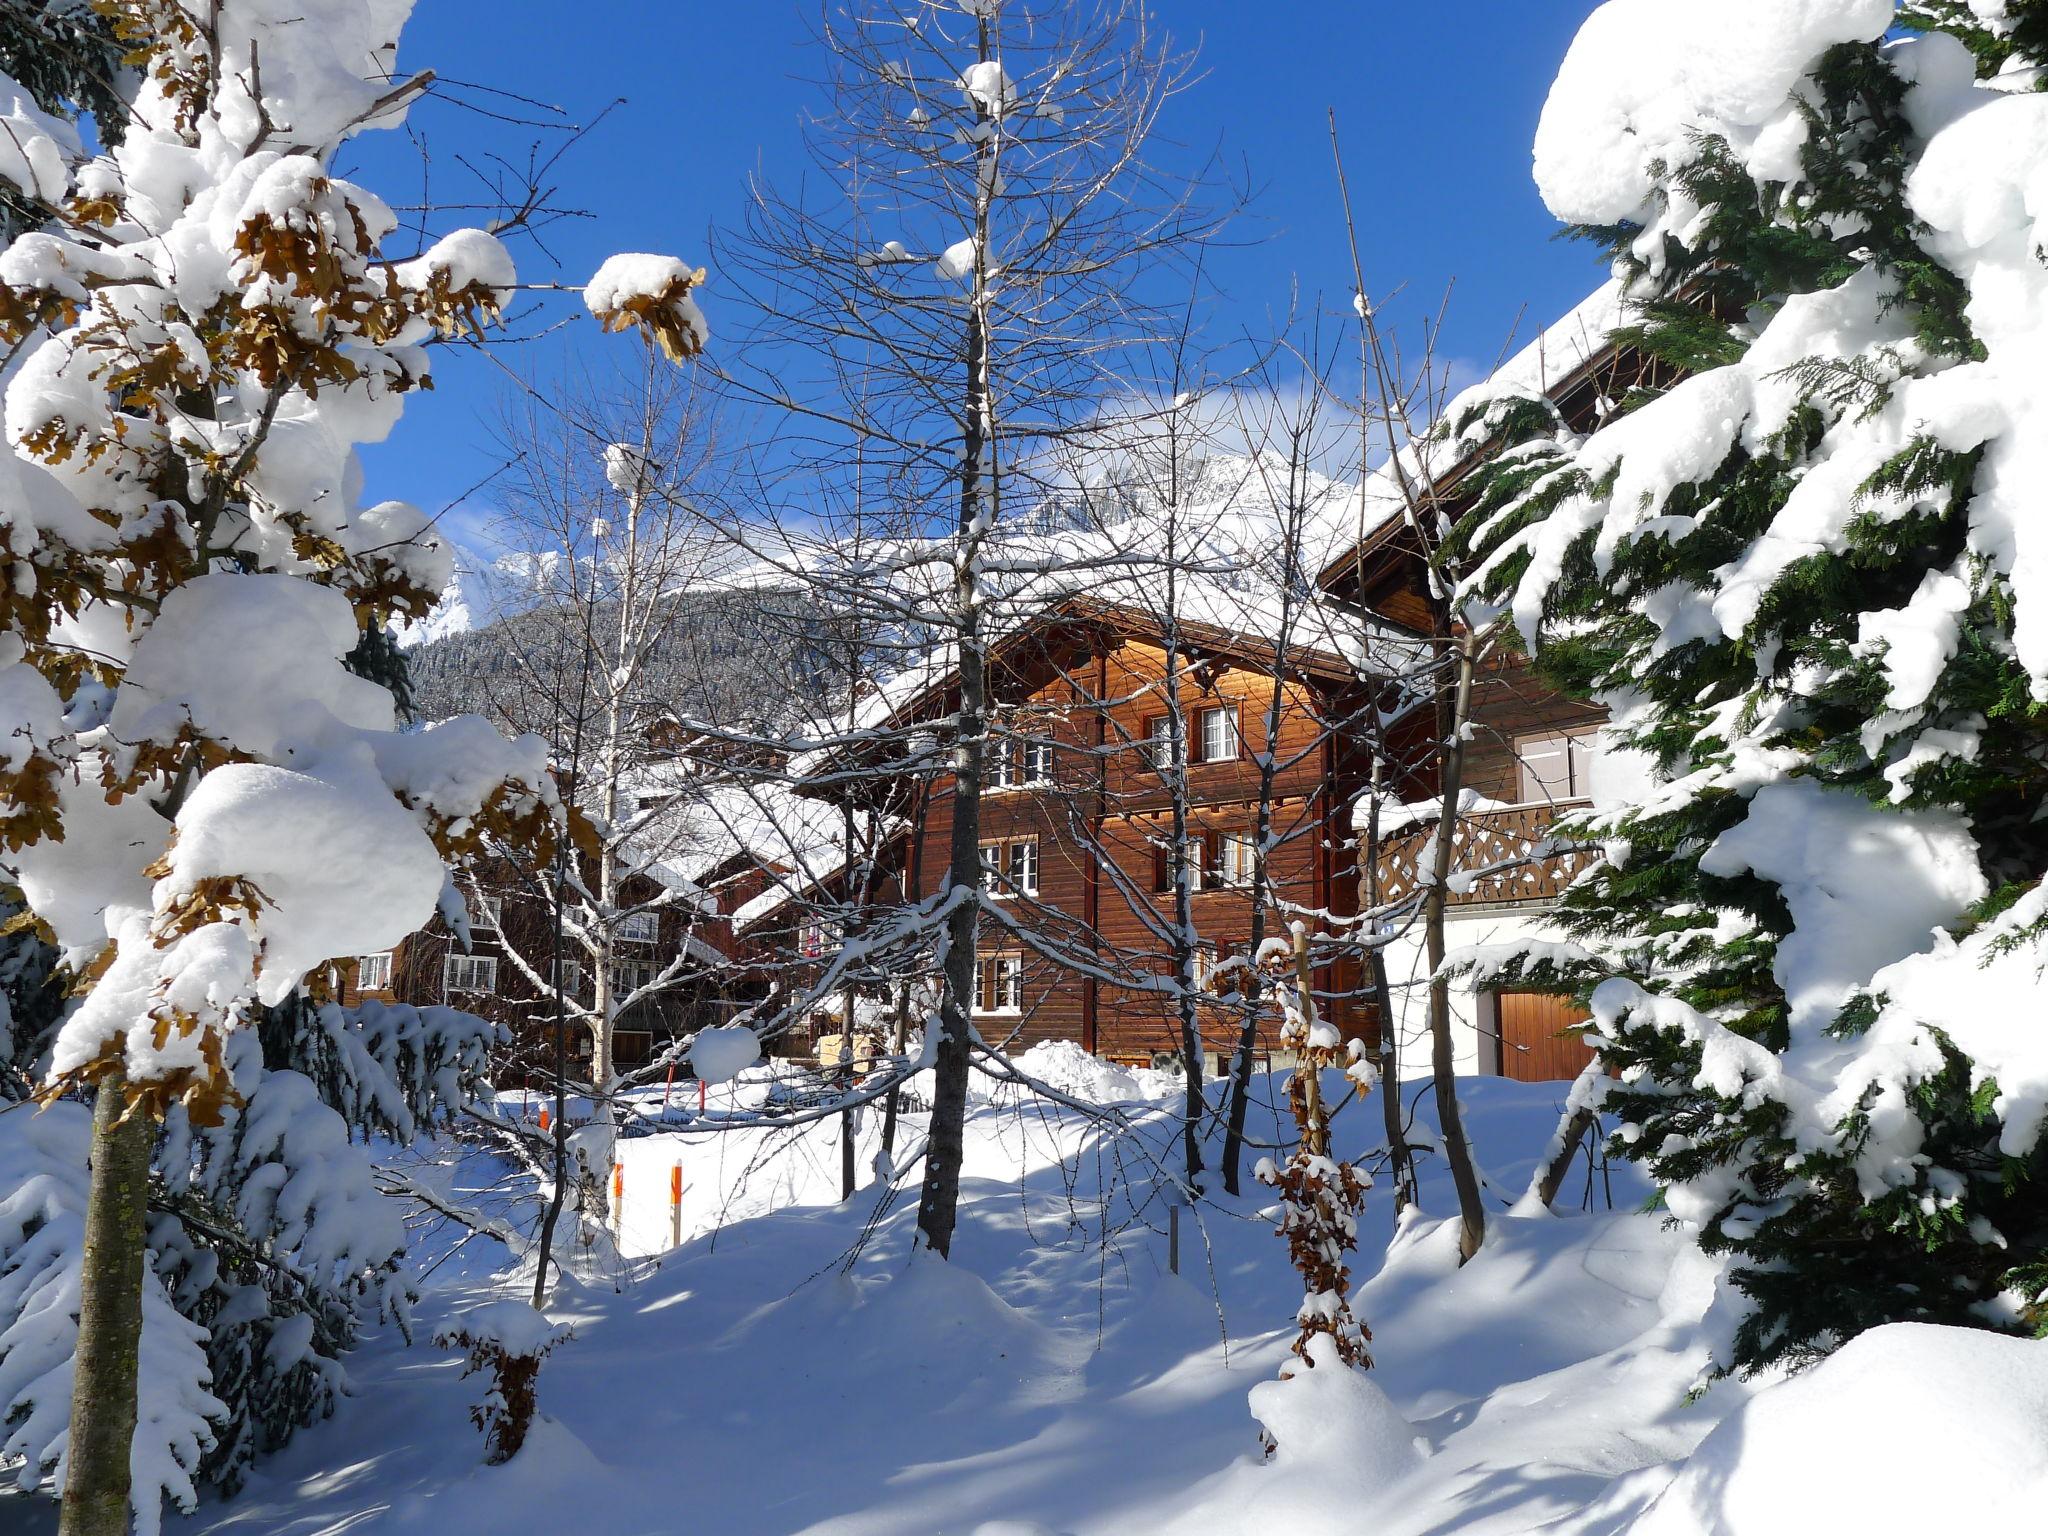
[[269, 1243], [1859, 1165]]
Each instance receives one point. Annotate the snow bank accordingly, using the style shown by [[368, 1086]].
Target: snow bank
[[1067, 1069], [1830, 1451], [1340, 1447]]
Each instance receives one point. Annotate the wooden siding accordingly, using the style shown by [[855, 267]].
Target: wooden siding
[[1107, 810]]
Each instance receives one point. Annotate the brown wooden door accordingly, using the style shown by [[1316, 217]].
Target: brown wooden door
[[1532, 1049]]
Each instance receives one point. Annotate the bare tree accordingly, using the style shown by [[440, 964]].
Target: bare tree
[[600, 538], [954, 301]]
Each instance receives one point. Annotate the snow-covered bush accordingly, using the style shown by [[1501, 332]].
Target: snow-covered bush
[[1803, 565], [507, 1339]]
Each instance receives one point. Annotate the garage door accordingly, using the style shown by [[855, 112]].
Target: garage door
[[1533, 1048]]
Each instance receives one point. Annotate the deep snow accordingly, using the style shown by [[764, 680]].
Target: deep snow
[[792, 1368]]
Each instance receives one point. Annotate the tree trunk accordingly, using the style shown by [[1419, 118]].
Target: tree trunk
[[1452, 714], [1571, 1138], [104, 1383], [1399, 1154], [938, 1203]]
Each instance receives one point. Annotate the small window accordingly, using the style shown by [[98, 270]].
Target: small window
[[1238, 859], [628, 977], [1000, 764], [813, 941], [470, 973], [571, 974], [1201, 863], [1553, 767], [1037, 762], [373, 972], [1021, 875], [998, 984], [1219, 734], [1162, 742], [640, 927], [487, 916], [992, 866], [1205, 967]]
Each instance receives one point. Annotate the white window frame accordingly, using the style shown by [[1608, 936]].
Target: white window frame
[[1037, 762], [993, 869], [569, 974], [1009, 984], [1162, 742], [1221, 740], [629, 976], [373, 972], [1020, 875], [1238, 858], [639, 928], [1000, 763], [469, 974], [492, 917]]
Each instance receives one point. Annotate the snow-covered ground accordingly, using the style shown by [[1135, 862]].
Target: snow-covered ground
[[791, 1368], [779, 1374]]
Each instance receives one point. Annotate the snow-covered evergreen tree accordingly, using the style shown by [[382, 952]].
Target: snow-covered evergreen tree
[[201, 804], [1810, 580]]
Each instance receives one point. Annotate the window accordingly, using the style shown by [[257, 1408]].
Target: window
[[1238, 860], [470, 973], [628, 976], [1219, 733], [1162, 743], [992, 865], [1037, 762], [571, 974], [1022, 873], [373, 972], [640, 927], [1205, 967], [998, 983], [1001, 764], [1553, 766], [1201, 861], [489, 917]]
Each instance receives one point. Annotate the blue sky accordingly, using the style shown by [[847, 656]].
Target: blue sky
[[1437, 101]]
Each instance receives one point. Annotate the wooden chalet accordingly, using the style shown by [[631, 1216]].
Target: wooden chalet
[[432, 966], [1076, 822]]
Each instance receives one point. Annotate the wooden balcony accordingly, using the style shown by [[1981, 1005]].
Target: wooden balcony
[[1497, 857]]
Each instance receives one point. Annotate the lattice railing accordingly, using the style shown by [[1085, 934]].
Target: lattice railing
[[1496, 856]]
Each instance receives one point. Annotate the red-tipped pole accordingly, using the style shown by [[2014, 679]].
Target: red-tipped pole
[[675, 1206]]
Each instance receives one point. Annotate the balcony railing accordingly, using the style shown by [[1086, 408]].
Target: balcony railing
[[1496, 856]]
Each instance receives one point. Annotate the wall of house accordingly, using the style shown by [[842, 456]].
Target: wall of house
[[419, 976], [1099, 825]]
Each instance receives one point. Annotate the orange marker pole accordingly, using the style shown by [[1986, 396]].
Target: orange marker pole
[[675, 1206], [618, 1200], [543, 1117]]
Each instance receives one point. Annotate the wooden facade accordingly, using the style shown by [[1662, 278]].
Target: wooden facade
[[431, 966], [1076, 825]]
